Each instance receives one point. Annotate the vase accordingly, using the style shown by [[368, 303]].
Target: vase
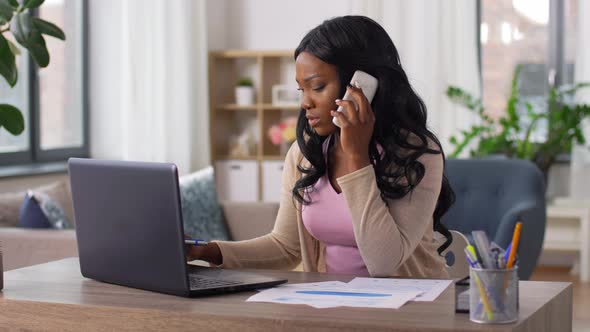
[[244, 95]]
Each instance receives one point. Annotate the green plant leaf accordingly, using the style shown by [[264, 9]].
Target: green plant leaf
[[464, 98], [6, 11], [7, 63], [38, 49], [15, 50], [48, 28], [32, 3], [11, 119], [22, 28]]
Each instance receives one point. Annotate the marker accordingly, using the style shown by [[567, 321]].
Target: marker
[[472, 254], [514, 248], [195, 242], [472, 259], [483, 248]]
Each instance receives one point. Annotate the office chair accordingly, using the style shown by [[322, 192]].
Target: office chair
[[492, 195]]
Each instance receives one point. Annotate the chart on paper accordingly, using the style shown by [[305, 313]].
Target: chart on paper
[[429, 289]]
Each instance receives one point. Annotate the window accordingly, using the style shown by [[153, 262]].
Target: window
[[52, 99], [537, 35]]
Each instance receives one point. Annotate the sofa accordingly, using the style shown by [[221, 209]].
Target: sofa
[[24, 247]]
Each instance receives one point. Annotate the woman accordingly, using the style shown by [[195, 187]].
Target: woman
[[364, 199]]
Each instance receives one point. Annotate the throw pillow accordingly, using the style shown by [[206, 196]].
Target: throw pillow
[[31, 215], [10, 202], [38, 210], [201, 212]]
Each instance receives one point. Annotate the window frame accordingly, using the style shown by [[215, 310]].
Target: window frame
[[34, 154], [556, 64], [555, 46]]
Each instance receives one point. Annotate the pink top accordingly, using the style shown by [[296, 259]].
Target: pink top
[[328, 219]]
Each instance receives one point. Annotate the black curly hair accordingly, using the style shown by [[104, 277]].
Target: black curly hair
[[358, 42]]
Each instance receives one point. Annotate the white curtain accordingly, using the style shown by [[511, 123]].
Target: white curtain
[[580, 163], [149, 81], [437, 42]]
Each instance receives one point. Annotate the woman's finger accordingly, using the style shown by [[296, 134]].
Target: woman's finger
[[344, 123], [349, 111], [361, 100]]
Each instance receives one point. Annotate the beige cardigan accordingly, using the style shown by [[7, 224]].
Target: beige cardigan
[[394, 238]]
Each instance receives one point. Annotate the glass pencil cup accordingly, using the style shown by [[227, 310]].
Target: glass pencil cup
[[493, 295]]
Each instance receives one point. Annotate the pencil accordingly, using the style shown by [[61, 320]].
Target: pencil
[[514, 248]]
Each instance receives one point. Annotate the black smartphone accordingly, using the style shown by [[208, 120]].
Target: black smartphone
[[462, 295]]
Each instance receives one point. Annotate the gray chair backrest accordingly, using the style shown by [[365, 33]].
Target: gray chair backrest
[[492, 195]]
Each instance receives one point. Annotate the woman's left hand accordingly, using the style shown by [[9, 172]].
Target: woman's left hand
[[356, 127]]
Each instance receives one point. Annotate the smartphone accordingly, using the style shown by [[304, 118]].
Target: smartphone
[[366, 82]]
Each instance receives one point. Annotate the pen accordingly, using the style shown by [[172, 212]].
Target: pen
[[472, 259], [514, 247], [507, 253], [195, 242]]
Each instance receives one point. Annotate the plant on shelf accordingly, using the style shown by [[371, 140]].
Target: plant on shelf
[[245, 81], [28, 31], [245, 91], [511, 137]]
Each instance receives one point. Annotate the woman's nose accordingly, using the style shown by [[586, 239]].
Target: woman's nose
[[306, 103]]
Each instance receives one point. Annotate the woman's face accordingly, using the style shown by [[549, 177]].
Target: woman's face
[[319, 84]]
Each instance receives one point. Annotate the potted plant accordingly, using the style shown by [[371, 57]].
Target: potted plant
[[28, 31], [245, 92], [511, 136]]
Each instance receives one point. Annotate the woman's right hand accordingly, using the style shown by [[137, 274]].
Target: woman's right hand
[[209, 253]]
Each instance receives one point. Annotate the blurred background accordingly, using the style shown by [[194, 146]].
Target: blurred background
[[212, 83]]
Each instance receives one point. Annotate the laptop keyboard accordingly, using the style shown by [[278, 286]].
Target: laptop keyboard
[[198, 282]]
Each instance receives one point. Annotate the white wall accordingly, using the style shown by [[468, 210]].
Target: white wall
[[267, 24], [109, 91], [104, 26]]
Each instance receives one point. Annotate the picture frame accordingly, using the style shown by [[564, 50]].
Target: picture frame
[[285, 95]]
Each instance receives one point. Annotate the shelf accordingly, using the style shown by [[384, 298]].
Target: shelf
[[226, 157], [234, 107], [281, 108], [269, 157], [251, 53], [238, 128]]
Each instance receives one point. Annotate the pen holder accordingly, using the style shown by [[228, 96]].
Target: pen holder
[[493, 295]]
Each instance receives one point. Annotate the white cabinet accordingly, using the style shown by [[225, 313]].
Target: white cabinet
[[271, 180], [237, 180]]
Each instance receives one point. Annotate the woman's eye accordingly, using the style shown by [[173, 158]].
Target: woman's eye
[[319, 88]]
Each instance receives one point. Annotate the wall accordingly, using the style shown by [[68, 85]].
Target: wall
[[23, 183], [119, 108], [105, 17], [267, 24]]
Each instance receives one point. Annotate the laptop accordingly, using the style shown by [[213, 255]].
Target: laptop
[[130, 232]]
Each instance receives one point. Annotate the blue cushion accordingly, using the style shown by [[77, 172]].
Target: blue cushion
[[201, 212], [31, 215], [38, 210]]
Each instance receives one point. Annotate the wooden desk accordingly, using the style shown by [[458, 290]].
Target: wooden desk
[[54, 296]]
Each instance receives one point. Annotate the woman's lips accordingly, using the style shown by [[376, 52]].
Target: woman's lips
[[313, 121]]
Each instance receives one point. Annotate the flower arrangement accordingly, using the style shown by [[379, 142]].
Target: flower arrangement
[[284, 132]]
